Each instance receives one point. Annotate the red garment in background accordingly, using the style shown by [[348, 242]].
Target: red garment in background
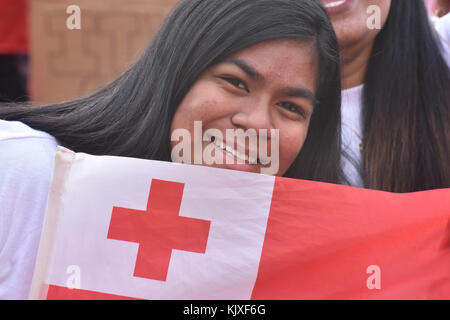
[[13, 26]]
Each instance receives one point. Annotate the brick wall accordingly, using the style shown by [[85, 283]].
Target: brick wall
[[66, 63]]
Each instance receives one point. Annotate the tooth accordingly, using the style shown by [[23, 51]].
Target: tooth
[[232, 152], [334, 4], [265, 161], [241, 156]]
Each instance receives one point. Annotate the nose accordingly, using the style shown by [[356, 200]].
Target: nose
[[255, 115]]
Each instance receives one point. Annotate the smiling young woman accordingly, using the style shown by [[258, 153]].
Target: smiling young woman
[[255, 89], [255, 64], [185, 67]]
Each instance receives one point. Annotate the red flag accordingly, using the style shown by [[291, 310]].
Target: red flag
[[119, 228], [331, 242]]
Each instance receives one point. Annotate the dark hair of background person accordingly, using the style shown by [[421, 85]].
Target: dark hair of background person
[[13, 77], [132, 115], [406, 114]]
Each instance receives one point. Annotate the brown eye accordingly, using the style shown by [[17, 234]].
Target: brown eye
[[236, 82], [292, 108]]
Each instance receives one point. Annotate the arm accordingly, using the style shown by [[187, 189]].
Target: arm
[[26, 167]]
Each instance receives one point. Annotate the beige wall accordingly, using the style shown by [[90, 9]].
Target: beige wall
[[66, 64]]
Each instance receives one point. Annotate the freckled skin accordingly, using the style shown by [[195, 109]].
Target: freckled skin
[[218, 104]]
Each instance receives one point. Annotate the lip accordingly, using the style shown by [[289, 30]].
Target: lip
[[256, 168], [337, 6]]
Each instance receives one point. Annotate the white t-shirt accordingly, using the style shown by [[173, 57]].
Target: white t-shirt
[[352, 117], [26, 166]]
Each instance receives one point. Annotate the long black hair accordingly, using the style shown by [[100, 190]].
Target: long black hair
[[406, 110], [132, 115]]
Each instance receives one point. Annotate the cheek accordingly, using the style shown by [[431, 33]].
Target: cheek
[[291, 143], [353, 27], [200, 104], [384, 6]]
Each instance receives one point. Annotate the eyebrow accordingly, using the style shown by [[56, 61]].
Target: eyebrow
[[254, 74], [301, 93], [249, 70]]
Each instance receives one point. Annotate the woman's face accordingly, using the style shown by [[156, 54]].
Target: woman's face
[[267, 91], [351, 18]]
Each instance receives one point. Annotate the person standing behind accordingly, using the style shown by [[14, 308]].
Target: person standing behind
[[13, 50], [396, 97]]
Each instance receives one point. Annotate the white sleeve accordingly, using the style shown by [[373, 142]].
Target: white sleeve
[[442, 27], [26, 167]]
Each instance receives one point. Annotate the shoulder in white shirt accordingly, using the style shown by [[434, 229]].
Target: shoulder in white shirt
[[26, 166], [442, 27]]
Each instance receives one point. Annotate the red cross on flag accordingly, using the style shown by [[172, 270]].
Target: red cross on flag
[[123, 228]]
